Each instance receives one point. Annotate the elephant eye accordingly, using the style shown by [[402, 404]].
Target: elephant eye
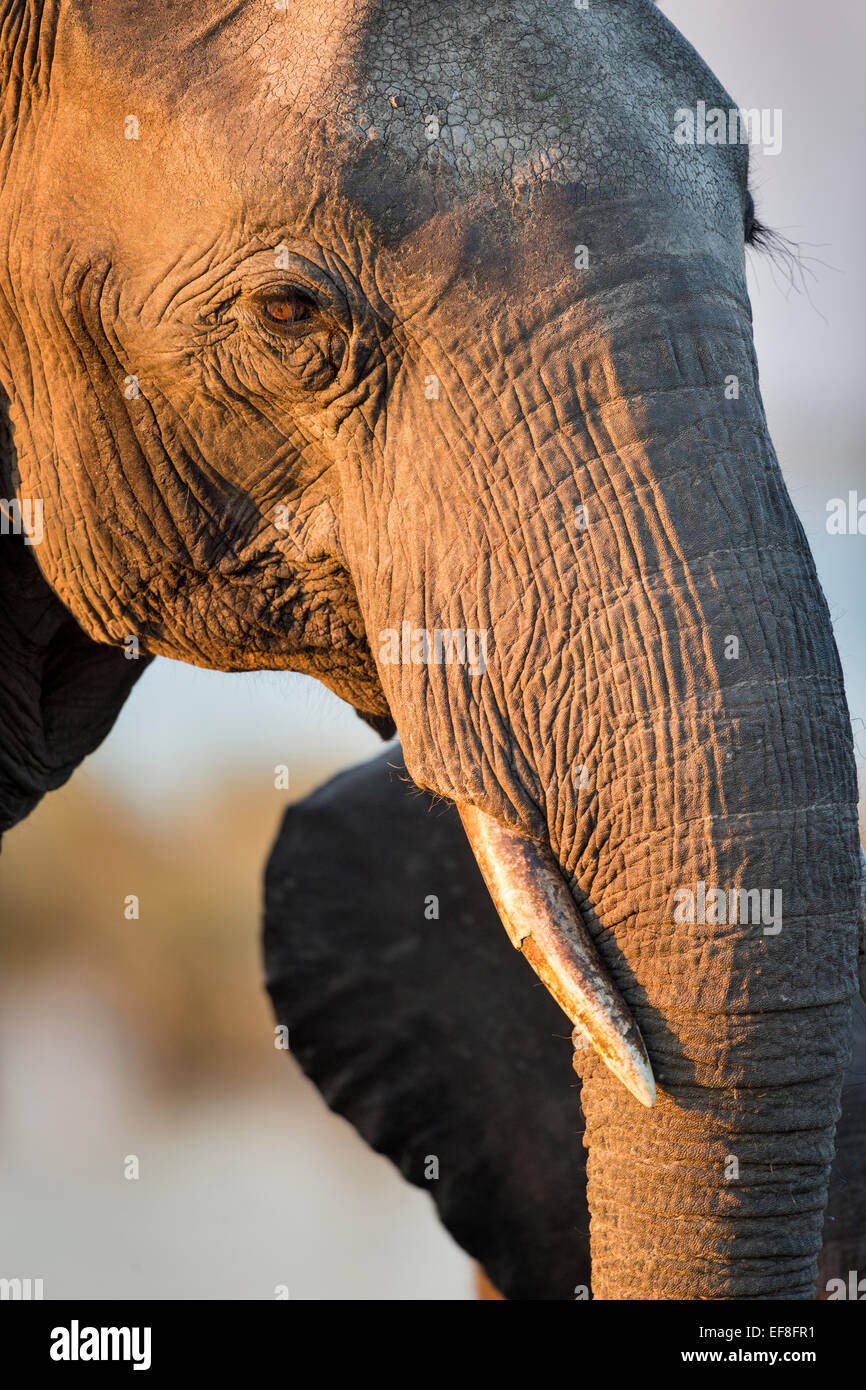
[[289, 311], [302, 332]]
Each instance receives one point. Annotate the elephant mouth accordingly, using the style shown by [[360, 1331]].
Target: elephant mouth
[[256, 616], [354, 679], [543, 922]]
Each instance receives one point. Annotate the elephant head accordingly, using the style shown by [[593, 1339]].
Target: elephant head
[[410, 347]]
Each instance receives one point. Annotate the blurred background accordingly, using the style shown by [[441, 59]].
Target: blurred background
[[152, 1037]]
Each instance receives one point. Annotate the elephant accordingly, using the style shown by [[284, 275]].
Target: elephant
[[409, 347], [380, 938]]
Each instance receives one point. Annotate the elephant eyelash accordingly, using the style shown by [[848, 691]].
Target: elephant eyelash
[[759, 235], [785, 255], [762, 237], [750, 221]]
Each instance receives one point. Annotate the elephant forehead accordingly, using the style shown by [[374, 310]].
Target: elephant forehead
[[517, 90], [402, 107], [512, 92]]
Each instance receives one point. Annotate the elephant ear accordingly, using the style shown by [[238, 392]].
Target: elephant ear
[[413, 1015], [60, 692]]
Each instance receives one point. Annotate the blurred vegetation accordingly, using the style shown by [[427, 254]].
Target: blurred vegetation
[[186, 977]]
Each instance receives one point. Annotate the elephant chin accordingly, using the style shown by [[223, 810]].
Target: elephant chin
[[543, 922]]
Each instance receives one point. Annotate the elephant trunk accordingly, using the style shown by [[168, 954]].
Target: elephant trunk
[[719, 1191], [717, 865], [741, 985], [716, 869], [665, 707]]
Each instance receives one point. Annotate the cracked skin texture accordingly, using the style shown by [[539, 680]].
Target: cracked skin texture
[[239, 496]]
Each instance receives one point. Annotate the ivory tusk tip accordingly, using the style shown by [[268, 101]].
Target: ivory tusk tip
[[625, 1057], [642, 1086], [542, 919], [632, 1067]]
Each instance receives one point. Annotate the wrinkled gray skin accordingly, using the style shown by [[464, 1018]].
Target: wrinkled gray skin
[[290, 149], [380, 938]]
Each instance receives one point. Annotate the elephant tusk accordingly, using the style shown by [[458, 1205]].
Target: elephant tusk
[[861, 944], [543, 922]]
